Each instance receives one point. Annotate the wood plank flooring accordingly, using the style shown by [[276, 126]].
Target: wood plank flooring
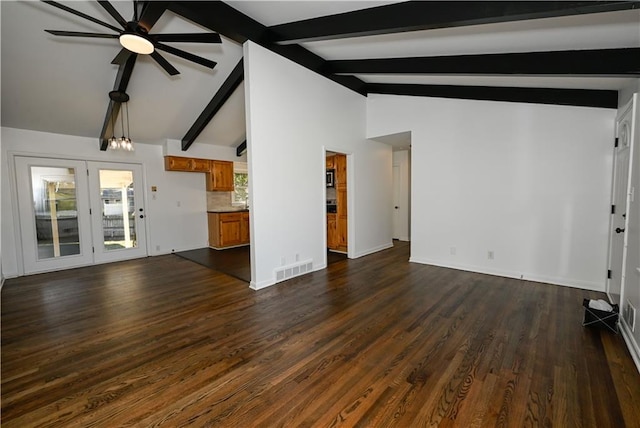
[[370, 342]]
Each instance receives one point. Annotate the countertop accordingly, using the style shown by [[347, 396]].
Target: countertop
[[229, 210]]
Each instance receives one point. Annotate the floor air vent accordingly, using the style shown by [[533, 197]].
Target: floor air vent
[[296, 269]]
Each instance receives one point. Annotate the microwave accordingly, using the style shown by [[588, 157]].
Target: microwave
[[331, 178]]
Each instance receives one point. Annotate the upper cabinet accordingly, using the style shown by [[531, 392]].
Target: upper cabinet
[[340, 164], [219, 174], [220, 177], [178, 163], [330, 162]]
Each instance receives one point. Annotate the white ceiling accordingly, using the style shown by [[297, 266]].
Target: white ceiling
[[61, 85]]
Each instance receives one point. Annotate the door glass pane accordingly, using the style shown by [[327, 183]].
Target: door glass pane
[[56, 214], [118, 209]]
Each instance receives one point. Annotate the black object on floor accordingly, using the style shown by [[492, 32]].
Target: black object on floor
[[234, 262]]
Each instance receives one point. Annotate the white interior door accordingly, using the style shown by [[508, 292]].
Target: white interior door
[[397, 209], [619, 217], [53, 201], [117, 211]]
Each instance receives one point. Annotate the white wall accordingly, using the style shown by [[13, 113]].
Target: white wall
[[529, 182], [170, 227], [293, 116]]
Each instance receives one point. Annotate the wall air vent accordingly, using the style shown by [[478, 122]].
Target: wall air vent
[[296, 269]]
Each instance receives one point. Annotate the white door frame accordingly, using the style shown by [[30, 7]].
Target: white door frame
[[10, 161], [627, 110], [100, 254], [24, 202]]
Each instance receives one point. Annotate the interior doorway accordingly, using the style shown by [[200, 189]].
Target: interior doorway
[[337, 211]]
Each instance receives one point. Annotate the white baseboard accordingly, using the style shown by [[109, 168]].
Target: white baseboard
[[525, 276], [373, 250], [632, 345], [262, 284]]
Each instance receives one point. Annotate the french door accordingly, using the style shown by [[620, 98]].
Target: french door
[[75, 213]]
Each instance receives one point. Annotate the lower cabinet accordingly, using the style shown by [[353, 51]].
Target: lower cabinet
[[332, 231], [228, 229]]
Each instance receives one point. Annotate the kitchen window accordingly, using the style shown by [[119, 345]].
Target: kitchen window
[[240, 195]]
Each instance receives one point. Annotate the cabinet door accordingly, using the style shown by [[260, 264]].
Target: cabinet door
[[332, 238], [221, 176], [341, 170], [199, 165], [341, 217], [230, 229], [330, 162], [244, 230], [176, 163]]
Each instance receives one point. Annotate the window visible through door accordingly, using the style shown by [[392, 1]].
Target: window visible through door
[[240, 195]]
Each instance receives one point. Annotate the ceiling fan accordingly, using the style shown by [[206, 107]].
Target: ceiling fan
[[135, 38]]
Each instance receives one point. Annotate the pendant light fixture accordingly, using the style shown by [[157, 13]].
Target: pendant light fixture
[[124, 142]]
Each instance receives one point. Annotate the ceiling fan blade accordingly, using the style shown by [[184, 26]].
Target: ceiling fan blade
[[164, 63], [122, 57], [81, 15], [81, 34], [151, 12], [186, 55], [185, 37], [113, 12]]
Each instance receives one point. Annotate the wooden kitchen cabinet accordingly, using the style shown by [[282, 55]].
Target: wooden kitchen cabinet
[[332, 237], [199, 165], [330, 162], [340, 163], [337, 230], [220, 177], [178, 163], [228, 229], [244, 228]]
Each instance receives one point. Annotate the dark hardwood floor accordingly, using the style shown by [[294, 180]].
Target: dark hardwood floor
[[235, 261], [232, 261], [371, 342]]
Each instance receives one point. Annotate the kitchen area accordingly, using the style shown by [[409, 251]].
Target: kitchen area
[[337, 216], [227, 214]]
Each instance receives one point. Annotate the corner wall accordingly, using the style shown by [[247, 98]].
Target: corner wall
[[293, 116], [529, 183]]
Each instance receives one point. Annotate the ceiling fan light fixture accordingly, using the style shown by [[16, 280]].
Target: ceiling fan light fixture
[[136, 43]]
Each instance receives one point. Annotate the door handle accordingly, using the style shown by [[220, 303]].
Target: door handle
[[141, 216], [140, 209], [618, 230], [396, 207]]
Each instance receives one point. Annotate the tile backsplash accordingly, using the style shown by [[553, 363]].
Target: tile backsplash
[[218, 201]]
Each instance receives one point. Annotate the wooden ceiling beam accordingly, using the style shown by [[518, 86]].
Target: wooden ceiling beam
[[572, 97], [222, 95], [593, 62], [428, 15]]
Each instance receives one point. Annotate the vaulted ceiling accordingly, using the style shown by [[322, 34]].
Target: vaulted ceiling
[[571, 53]]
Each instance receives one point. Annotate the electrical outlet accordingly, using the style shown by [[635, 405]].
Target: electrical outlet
[[452, 251], [490, 255]]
